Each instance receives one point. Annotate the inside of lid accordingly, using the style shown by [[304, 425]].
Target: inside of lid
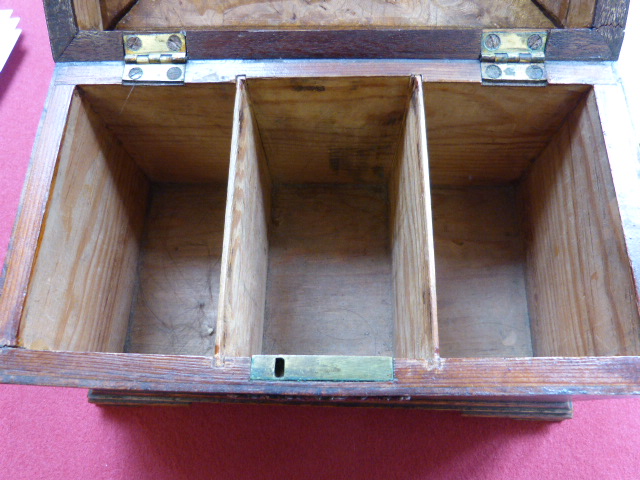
[[159, 15]]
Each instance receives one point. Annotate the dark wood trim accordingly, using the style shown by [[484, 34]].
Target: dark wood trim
[[350, 44], [609, 21], [549, 409], [99, 46], [574, 44], [581, 44], [457, 377], [61, 23]]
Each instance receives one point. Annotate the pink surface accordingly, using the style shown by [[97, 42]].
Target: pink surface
[[55, 433]]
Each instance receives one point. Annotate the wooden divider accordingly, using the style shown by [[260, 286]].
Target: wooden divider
[[412, 239], [245, 246]]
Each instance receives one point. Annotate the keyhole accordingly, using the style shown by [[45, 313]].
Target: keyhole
[[279, 367]]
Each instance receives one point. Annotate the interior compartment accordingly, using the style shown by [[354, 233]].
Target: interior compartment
[[321, 215], [329, 221], [159, 15], [129, 255], [530, 258]]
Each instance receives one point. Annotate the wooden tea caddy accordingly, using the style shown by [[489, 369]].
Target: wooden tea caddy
[[372, 203]]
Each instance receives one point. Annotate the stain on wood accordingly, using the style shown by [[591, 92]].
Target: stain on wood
[[330, 130]]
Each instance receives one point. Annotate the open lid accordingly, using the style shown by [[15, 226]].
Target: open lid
[[91, 30]]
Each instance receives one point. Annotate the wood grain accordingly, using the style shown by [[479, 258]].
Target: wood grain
[[99, 14], [609, 21], [414, 279], [88, 14], [624, 160], [580, 44], [533, 378], [35, 194], [246, 243], [582, 298], [521, 409], [489, 136], [81, 288], [570, 13], [480, 260], [113, 10], [327, 44], [217, 71], [176, 305], [61, 25], [330, 130], [330, 287], [174, 134], [93, 46], [602, 42], [154, 15], [331, 144]]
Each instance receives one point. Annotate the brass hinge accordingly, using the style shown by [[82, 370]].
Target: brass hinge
[[154, 58], [513, 57]]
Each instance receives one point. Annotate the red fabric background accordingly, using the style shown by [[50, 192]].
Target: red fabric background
[[55, 433]]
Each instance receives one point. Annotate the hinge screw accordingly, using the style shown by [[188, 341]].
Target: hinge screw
[[535, 72], [135, 73], [134, 43], [492, 41], [174, 43], [174, 73], [493, 71], [534, 42]]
